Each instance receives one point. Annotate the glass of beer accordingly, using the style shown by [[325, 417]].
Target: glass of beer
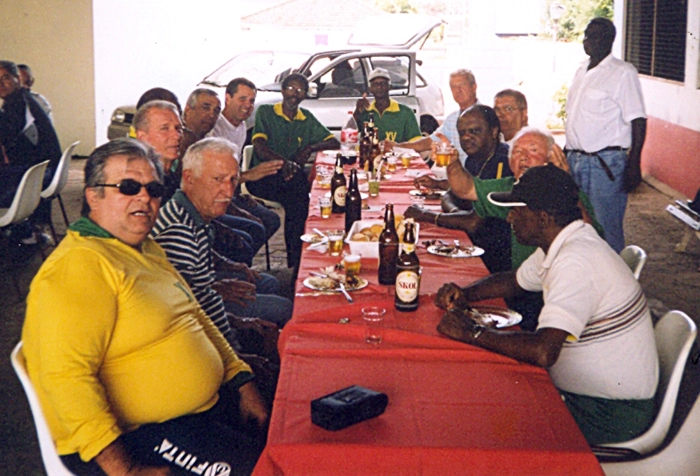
[[324, 204], [373, 184], [406, 161], [353, 265], [442, 154], [391, 163], [335, 241], [326, 180]]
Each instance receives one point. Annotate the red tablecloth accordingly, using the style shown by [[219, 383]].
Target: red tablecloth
[[453, 408]]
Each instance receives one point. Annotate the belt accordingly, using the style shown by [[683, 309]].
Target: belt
[[605, 167]]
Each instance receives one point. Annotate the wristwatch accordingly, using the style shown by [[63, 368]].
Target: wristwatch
[[476, 331]]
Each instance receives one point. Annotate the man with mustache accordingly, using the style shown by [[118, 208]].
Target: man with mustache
[[184, 230], [126, 364]]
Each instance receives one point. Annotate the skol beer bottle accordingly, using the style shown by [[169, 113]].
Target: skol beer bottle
[[408, 272], [388, 248], [353, 202], [338, 187]]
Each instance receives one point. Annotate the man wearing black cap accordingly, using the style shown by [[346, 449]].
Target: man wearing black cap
[[594, 335]]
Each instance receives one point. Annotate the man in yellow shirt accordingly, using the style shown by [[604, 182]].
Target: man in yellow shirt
[[131, 374]]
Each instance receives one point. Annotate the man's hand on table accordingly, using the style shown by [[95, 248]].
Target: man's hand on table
[[234, 290], [419, 214], [456, 325], [426, 181], [450, 296], [252, 406]]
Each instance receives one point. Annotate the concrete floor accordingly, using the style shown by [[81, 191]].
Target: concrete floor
[[670, 281]]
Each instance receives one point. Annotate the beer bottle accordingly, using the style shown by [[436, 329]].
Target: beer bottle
[[338, 186], [407, 272], [376, 152], [388, 248], [353, 202], [370, 123], [365, 147]]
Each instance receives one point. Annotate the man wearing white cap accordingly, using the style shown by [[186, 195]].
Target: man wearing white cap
[[394, 121]]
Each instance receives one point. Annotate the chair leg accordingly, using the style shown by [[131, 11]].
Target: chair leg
[[63, 209], [53, 231], [267, 253]]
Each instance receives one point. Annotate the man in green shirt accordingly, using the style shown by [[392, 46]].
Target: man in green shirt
[[395, 122], [285, 131]]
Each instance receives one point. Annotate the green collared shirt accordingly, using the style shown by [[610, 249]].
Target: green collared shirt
[[397, 123], [287, 137]]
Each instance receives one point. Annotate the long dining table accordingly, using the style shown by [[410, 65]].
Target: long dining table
[[453, 408]]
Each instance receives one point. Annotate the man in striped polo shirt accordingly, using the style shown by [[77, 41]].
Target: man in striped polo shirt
[[184, 230], [594, 335]]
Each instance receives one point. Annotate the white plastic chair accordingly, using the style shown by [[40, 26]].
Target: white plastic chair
[[58, 183], [635, 257], [245, 165], [26, 198], [52, 462], [680, 458], [674, 333]]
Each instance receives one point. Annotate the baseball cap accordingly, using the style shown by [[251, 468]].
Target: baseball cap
[[547, 188], [379, 73]]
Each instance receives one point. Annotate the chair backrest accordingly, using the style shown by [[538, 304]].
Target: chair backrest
[[680, 458], [60, 176], [246, 158], [635, 257], [674, 333], [52, 462], [27, 196]]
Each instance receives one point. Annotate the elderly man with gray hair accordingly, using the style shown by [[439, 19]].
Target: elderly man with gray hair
[[132, 376], [184, 230]]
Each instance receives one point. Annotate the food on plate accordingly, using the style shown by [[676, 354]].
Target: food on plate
[[323, 284], [312, 238], [486, 320]]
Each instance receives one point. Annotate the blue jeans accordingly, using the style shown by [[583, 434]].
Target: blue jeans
[[270, 219], [607, 196], [268, 305]]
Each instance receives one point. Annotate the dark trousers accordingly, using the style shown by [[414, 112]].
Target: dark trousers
[[294, 197], [210, 441]]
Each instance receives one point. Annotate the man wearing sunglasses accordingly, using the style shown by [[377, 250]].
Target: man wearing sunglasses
[[284, 131], [132, 375]]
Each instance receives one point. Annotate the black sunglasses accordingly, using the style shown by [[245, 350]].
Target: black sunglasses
[[132, 187]]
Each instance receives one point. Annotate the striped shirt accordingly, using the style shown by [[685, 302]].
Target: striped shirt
[[590, 293], [187, 240]]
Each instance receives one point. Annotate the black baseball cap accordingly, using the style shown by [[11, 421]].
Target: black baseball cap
[[547, 188]]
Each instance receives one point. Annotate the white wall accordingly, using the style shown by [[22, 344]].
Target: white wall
[[55, 39], [143, 44], [672, 101]]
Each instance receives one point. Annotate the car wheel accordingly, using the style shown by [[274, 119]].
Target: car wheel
[[428, 125]]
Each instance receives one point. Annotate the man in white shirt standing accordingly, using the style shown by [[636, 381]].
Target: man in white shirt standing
[[605, 129]]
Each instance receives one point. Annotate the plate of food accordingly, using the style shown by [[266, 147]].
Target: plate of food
[[313, 238], [454, 250], [327, 283], [429, 194], [495, 317]]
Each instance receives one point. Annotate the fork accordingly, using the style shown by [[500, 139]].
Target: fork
[[345, 293]]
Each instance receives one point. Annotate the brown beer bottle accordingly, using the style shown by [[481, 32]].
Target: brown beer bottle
[[408, 272], [353, 202], [365, 147], [376, 151], [338, 187], [388, 248]]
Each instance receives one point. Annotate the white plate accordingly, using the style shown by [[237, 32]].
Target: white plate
[[503, 317], [311, 281], [433, 195], [475, 251], [313, 238]]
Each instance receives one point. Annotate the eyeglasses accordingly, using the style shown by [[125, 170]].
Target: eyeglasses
[[131, 187], [292, 89], [508, 109]]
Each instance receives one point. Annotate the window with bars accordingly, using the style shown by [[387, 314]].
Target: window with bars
[[656, 35]]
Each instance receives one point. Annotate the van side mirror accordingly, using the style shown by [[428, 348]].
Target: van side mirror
[[313, 90]]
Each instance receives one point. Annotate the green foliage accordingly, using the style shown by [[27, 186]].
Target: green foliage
[[576, 16], [396, 6], [558, 120]]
